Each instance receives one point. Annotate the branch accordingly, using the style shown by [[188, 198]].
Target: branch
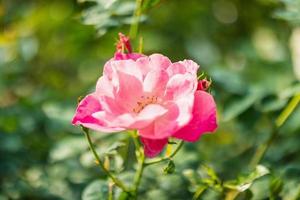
[[100, 163], [168, 157]]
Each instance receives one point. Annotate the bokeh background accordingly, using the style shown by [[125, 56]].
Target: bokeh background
[[53, 51]]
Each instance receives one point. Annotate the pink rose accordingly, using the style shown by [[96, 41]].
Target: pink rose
[[149, 94]]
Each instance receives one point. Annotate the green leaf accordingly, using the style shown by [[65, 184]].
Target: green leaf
[[199, 192], [149, 4], [124, 196], [107, 14], [276, 187], [210, 172], [95, 191], [291, 12], [170, 168], [235, 108], [67, 148], [210, 178], [243, 183]]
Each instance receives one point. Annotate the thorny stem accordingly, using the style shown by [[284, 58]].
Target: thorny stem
[[262, 149], [136, 18], [100, 163], [168, 157]]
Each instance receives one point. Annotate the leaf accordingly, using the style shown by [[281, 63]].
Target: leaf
[[107, 14], [199, 192], [210, 172], [295, 50], [243, 183], [68, 147], [239, 106], [115, 147], [95, 191], [276, 187], [149, 4], [273, 105], [157, 194], [291, 12], [123, 196], [210, 178], [170, 168]]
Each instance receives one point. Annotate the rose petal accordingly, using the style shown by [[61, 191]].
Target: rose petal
[[155, 82], [176, 68], [84, 115], [163, 126], [129, 91], [148, 115], [204, 118], [104, 87], [180, 85], [153, 147], [159, 61]]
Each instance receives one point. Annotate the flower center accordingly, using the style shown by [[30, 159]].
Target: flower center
[[143, 102]]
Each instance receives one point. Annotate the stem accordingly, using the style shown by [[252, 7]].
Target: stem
[[140, 156], [141, 45], [262, 149], [138, 175], [168, 157], [110, 191], [100, 163], [288, 110], [136, 18]]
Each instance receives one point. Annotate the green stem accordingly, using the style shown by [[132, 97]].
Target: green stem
[[138, 175], [140, 156], [283, 116], [288, 110], [168, 157], [100, 163], [136, 18], [262, 149], [110, 191]]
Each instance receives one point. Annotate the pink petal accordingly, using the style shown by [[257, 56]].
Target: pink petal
[[185, 106], [182, 67], [155, 82], [109, 105], [128, 67], [180, 85], [153, 147], [154, 62], [108, 69], [113, 120], [191, 66], [176, 68], [148, 115], [125, 59], [130, 120], [163, 126], [144, 65], [127, 56], [159, 61], [129, 91], [204, 118], [84, 115], [104, 87]]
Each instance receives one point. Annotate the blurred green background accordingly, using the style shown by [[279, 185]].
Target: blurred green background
[[48, 58]]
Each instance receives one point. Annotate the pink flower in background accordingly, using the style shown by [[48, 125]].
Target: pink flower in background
[[152, 95]]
